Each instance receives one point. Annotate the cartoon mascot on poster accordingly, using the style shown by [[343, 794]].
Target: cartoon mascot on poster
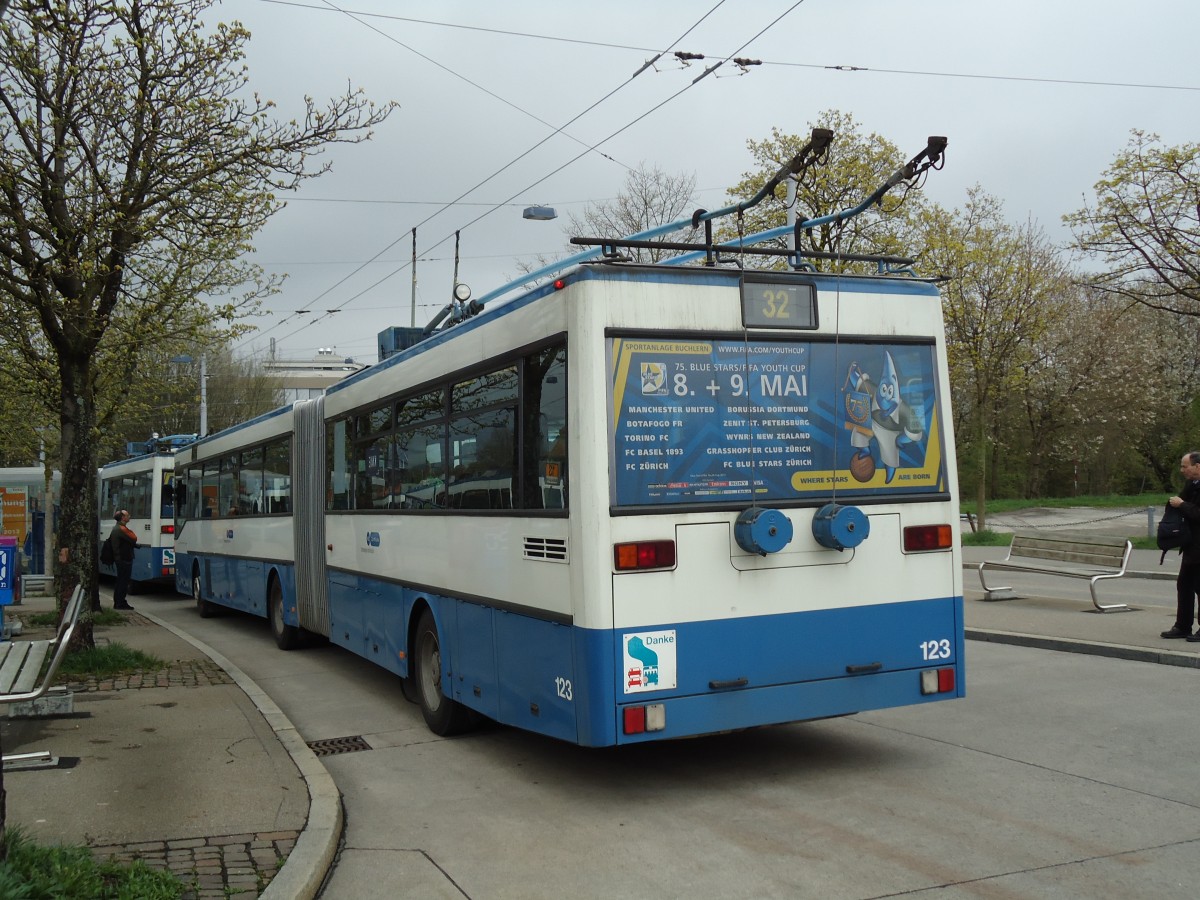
[[876, 411]]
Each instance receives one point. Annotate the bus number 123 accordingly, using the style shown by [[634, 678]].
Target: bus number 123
[[562, 686], [935, 649]]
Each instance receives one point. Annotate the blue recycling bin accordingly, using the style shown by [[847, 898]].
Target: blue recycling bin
[[8, 574]]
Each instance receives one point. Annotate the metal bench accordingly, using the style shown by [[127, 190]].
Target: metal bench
[[1073, 556], [22, 663], [36, 585]]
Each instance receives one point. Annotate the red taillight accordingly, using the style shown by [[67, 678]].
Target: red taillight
[[635, 719], [644, 555], [927, 537], [168, 529], [945, 681]]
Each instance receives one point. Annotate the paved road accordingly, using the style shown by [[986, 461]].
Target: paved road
[[1058, 776]]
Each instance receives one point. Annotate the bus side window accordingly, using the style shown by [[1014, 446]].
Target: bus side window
[[544, 485]]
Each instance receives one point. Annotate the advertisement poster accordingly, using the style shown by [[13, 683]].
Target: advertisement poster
[[12, 517], [731, 421]]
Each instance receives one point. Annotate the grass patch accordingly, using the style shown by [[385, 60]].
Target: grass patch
[[34, 872], [41, 620], [109, 617], [104, 618], [1101, 501], [112, 659], [986, 538]]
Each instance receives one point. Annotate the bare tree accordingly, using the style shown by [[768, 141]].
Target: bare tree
[[649, 197]]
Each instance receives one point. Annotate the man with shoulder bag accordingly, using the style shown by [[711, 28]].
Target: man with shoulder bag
[[1188, 582], [124, 543]]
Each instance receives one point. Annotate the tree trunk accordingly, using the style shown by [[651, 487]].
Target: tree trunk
[[982, 456], [77, 520]]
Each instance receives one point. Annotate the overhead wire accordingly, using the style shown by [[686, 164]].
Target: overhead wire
[[360, 16], [587, 150], [431, 216], [766, 62]]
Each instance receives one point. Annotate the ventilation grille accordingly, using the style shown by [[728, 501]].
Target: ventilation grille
[[548, 549], [330, 746]]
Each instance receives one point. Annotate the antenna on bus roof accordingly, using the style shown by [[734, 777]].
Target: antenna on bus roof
[[932, 157]]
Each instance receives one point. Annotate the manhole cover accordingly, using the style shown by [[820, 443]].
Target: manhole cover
[[330, 746]]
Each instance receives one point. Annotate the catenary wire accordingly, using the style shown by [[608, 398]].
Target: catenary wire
[[569, 162], [1083, 82], [478, 185]]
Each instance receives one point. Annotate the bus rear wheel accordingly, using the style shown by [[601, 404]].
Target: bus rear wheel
[[287, 637], [207, 610], [443, 715]]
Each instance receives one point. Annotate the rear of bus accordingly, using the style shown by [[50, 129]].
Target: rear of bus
[[144, 486], [781, 542]]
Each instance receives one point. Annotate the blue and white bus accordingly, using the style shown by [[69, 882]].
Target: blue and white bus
[[637, 502], [234, 525], [144, 484]]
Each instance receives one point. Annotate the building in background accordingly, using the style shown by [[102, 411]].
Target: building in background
[[305, 378]]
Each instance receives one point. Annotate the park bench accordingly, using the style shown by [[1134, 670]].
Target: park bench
[[1095, 558], [24, 674]]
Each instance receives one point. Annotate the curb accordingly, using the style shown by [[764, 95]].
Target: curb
[[312, 857], [1091, 648]]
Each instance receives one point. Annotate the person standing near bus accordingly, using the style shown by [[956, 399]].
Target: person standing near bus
[[1188, 582], [123, 541]]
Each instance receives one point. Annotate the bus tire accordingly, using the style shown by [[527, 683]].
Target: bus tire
[[287, 637], [206, 609], [444, 715]]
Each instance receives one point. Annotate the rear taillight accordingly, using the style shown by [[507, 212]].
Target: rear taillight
[[168, 529], [918, 538], [640, 719], [937, 681], [644, 555]]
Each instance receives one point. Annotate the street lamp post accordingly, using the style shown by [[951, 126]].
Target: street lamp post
[[187, 360]]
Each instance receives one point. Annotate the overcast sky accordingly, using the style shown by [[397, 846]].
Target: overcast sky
[[1035, 96]]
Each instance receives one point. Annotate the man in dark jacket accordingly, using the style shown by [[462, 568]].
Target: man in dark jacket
[[124, 542], [1188, 582]]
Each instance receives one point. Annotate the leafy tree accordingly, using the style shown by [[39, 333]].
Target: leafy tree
[[855, 166], [1145, 225], [649, 197], [136, 169], [21, 415], [164, 396], [1077, 419], [1168, 423], [1003, 291]]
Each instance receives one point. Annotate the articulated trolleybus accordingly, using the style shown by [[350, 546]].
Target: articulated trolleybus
[[637, 502], [144, 484]]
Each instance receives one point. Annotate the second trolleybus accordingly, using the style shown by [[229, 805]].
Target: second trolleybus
[[143, 484]]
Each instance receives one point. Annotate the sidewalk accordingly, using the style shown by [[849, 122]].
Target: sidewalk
[[192, 769], [1076, 626]]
